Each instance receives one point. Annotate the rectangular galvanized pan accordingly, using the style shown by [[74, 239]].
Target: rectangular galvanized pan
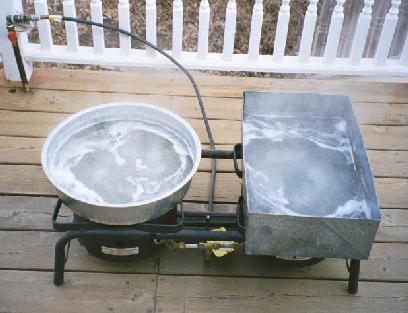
[[281, 227]]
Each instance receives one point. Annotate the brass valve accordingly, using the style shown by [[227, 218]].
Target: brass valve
[[209, 248]]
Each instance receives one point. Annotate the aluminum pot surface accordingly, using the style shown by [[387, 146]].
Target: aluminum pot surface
[[132, 212]]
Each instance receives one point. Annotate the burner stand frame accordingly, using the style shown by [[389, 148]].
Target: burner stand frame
[[190, 227]]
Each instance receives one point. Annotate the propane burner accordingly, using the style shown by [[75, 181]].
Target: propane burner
[[113, 248], [175, 229]]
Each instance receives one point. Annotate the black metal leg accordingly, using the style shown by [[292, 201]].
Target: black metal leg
[[59, 262], [354, 272]]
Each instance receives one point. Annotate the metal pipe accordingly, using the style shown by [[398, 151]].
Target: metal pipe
[[217, 154], [60, 257], [196, 235], [190, 234], [236, 153], [12, 36]]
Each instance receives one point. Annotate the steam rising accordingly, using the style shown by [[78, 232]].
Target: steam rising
[[121, 162], [302, 166]]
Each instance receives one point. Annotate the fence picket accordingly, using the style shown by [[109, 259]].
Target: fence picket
[[177, 28], [404, 53], [333, 37], [387, 33], [361, 32], [278, 62], [44, 26], [309, 26], [281, 31], [230, 29], [97, 32], [71, 28], [256, 29], [124, 23], [151, 16], [203, 25]]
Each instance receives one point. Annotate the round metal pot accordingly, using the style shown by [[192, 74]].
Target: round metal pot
[[133, 212]]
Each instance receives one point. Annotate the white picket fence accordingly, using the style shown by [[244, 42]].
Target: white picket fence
[[276, 62]]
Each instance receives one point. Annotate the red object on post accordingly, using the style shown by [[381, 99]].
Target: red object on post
[[12, 36]]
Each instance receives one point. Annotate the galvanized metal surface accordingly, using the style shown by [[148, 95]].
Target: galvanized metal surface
[[132, 212], [308, 185]]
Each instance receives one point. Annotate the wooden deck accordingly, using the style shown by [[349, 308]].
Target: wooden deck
[[180, 281]]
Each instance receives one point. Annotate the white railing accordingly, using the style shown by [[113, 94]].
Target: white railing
[[276, 62]]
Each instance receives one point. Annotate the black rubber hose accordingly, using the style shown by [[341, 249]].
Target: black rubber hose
[[186, 72]]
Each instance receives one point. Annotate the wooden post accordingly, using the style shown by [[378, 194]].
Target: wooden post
[[203, 25], [71, 28], [361, 32], [7, 55], [125, 42], [281, 31], [177, 28], [230, 29], [256, 29], [44, 27], [333, 37], [97, 32], [404, 53], [308, 32], [151, 16], [387, 33]]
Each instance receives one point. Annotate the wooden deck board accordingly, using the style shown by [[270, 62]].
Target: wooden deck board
[[84, 292], [218, 294], [180, 281], [383, 265], [68, 101], [30, 180], [28, 291], [172, 82], [39, 125], [28, 250], [23, 150]]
